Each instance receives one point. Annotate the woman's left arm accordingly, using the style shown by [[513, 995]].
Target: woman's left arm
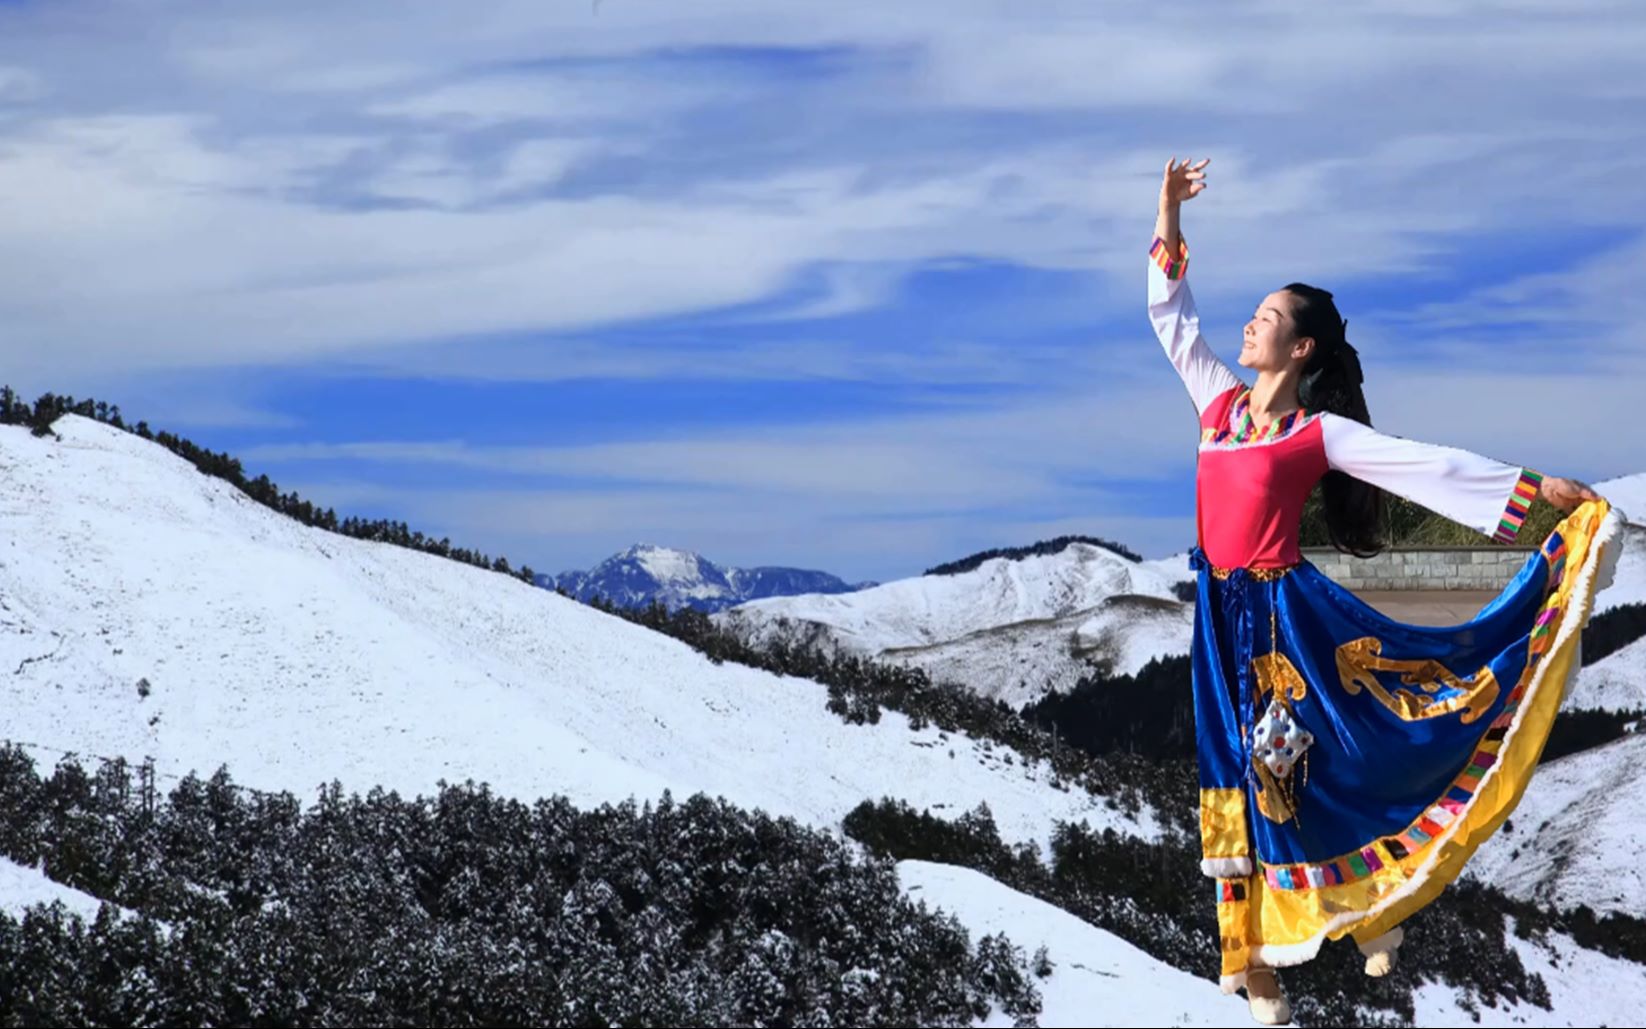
[[1486, 495]]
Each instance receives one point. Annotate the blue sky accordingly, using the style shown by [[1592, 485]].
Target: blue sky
[[847, 286]]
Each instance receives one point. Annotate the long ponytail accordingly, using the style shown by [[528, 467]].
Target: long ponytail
[[1355, 511]]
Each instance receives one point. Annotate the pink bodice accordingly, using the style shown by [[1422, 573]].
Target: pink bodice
[[1249, 496]]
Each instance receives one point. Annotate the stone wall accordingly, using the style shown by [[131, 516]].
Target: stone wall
[[1426, 568]]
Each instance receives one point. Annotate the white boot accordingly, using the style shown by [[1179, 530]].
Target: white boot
[[1268, 1010], [1380, 952]]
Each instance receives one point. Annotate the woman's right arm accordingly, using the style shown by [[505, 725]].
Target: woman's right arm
[[1171, 305]]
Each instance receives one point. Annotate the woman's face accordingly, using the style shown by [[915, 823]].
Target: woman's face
[[1272, 343]]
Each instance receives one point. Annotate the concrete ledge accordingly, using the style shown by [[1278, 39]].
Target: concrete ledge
[[1423, 568]]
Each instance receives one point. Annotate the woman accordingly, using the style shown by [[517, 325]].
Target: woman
[[1349, 764]]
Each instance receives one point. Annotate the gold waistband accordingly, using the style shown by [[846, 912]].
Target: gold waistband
[[1260, 574]]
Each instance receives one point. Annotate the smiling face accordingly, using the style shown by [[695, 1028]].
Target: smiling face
[[1272, 343]]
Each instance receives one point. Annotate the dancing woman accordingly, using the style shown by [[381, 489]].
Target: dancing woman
[[1349, 764]]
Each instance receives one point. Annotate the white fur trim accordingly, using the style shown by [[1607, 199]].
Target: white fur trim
[[1606, 571], [1285, 955], [1607, 537], [1226, 867], [1232, 983]]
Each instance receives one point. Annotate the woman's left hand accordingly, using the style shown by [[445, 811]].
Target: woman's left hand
[[1566, 494]]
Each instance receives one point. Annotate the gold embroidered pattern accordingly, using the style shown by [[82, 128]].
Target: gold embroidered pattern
[[1357, 660], [1223, 823], [1275, 677], [1258, 574], [1277, 798], [1274, 673]]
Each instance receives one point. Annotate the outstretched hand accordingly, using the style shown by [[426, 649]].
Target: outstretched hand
[[1182, 181], [1565, 494]]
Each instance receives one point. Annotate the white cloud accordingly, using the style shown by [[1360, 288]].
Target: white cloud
[[1586, 317], [1137, 427], [969, 458], [1572, 424], [363, 185], [193, 228], [959, 362], [583, 96]]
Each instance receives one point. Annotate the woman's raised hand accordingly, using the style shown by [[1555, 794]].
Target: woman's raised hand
[[1182, 181]]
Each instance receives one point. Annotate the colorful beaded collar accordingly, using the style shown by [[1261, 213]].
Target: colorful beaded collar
[[1243, 430]]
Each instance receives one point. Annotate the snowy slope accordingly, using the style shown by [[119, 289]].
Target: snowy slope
[[22, 887], [1586, 989], [1008, 628], [1175, 568], [1098, 979], [298, 656], [1015, 662], [1628, 494], [1629, 586], [1578, 832], [1617, 682]]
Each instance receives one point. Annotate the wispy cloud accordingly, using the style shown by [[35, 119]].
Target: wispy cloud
[[426, 205], [514, 192], [1024, 452]]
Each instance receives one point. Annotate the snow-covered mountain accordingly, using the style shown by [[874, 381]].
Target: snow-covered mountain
[[1617, 682], [680, 578], [1577, 834], [149, 610], [1628, 495], [1012, 628]]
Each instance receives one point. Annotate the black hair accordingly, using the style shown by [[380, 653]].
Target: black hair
[[1355, 510]]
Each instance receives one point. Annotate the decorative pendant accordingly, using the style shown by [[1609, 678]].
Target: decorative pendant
[[1278, 741]]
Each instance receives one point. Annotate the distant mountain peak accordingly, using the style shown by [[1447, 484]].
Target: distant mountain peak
[[645, 572]]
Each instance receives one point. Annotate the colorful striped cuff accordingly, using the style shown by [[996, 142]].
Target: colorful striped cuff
[[1520, 501], [1174, 267]]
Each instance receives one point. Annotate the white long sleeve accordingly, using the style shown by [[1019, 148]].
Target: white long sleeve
[[1177, 323], [1486, 495]]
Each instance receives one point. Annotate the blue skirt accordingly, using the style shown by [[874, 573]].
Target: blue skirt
[[1350, 763]]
